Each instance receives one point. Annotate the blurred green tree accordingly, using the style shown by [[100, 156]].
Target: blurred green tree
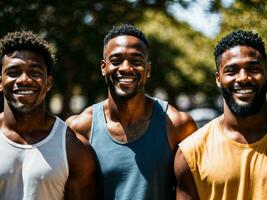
[[182, 59]]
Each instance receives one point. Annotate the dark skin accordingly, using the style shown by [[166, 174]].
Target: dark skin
[[238, 67], [127, 109], [25, 83]]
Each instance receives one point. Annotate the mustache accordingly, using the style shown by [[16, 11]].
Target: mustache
[[241, 85]]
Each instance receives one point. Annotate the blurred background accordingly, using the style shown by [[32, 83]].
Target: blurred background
[[182, 35]]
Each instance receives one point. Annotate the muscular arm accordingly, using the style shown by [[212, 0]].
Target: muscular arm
[[81, 123], [82, 182], [185, 187]]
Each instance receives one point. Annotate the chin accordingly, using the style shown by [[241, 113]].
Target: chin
[[22, 108], [245, 109], [124, 94]]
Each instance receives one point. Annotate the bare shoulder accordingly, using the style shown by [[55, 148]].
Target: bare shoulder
[[1, 118], [81, 123], [179, 124], [178, 118], [82, 182]]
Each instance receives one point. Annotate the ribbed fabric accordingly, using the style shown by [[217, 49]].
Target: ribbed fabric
[[138, 170], [34, 172], [223, 168]]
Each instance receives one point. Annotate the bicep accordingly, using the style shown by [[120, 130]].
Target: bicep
[[82, 185], [82, 182], [185, 185]]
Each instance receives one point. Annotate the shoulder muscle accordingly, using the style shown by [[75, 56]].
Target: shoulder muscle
[[81, 123], [179, 125]]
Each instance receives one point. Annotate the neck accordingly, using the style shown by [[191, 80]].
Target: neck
[[127, 109], [250, 128], [24, 122]]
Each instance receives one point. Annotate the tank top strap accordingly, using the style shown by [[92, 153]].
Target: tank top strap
[[98, 120], [163, 104], [159, 117], [160, 109]]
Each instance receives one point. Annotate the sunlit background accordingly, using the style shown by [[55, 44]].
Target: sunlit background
[[182, 35]]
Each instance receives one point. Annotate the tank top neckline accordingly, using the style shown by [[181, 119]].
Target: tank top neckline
[[31, 146], [147, 131], [221, 131]]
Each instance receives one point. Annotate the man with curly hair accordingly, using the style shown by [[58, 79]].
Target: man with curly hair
[[227, 158], [41, 158], [135, 136]]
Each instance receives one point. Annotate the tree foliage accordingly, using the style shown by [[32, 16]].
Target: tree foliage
[[182, 59]]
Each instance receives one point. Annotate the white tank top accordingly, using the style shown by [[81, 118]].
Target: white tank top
[[34, 172]]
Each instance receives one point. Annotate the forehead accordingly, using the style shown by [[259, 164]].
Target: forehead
[[23, 56], [240, 54], [125, 44]]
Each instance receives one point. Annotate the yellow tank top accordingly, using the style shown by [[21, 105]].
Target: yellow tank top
[[224, 169]]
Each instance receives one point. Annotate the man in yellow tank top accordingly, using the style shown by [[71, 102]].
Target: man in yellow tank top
[[227, 158]]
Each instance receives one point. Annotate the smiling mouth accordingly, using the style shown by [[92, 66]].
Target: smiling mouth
[[126, 79], [244, 91], [24, 92]]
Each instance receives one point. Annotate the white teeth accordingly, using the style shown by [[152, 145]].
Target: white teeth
[[247, 91], [24, 92], [126, 79]]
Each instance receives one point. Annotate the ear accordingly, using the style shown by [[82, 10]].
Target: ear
[[218, 80], [1, 86], [103, 67], [49, 83], [148, 69]]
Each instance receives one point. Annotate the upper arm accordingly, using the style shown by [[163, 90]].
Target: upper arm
[[82, 182], [81, 123], [185, 185], [179, 126]]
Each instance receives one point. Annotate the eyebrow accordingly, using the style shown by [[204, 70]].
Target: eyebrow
[[131, 54], [33, 65], [252, 62]]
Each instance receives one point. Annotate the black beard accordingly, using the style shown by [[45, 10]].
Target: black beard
[[249, 110]]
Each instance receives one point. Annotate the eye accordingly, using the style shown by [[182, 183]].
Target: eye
[[230, 70], [254, 69], [136, 62], [115, 62], [13, 72], [36, 73]]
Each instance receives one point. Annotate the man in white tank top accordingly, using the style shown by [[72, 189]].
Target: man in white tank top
[[41, 158]]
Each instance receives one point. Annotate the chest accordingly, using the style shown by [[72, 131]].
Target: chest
[[127, 132], [31, 166], [226, 164]]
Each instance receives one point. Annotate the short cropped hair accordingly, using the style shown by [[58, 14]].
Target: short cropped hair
[[27, 40], [239, 38], [125, 29]]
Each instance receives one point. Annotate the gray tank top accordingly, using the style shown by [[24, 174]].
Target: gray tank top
[[34, 172], [138, 170]]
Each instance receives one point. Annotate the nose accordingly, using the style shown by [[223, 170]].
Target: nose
[[243, 76], [24, 78], [125, 66]]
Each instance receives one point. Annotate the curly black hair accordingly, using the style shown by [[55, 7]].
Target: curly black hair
[[125, 29], [239, 38], [27, 40]]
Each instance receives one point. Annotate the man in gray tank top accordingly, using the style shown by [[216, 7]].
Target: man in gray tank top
[[135, 136], [39, 155]]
